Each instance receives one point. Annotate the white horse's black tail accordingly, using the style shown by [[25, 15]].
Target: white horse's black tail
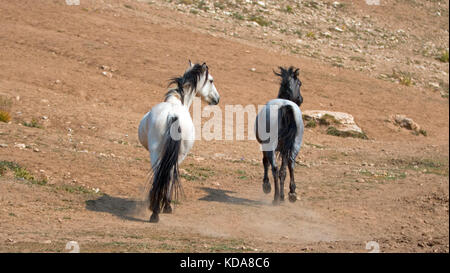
[[166, 169], [287, 129]]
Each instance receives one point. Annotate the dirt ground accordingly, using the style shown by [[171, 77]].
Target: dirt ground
[[81, 173]]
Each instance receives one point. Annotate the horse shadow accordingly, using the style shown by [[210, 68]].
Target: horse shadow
[[217, 195], [126, 209]]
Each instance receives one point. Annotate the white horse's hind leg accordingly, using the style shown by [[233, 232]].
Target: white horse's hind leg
[[167, 207]]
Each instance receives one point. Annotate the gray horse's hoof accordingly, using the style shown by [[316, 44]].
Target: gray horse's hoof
[[276, 202], [154, 218], [266, 188], [292, 197], [167, 209]]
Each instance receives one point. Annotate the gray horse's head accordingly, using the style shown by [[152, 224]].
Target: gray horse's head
[[290, 85]]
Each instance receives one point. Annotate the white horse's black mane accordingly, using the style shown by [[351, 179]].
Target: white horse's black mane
[[190, 78]]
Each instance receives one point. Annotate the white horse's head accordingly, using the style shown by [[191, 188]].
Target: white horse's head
[[205, 85]]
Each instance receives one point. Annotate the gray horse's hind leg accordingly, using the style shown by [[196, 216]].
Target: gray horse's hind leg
[[282, 173], [273, 161], [292, 186], [266, 183]]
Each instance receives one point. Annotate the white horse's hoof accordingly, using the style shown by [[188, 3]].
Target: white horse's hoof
[[167, 209]]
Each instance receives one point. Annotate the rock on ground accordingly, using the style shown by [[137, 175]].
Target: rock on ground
[[343, 121]]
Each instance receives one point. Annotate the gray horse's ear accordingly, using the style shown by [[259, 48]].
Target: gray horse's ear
[[297, 72], [278, 73], [190, 64], [204, 67]]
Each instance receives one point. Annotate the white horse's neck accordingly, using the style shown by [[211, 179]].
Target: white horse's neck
[[175, 99], [188, 99]]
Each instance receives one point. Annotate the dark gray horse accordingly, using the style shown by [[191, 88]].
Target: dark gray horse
[[279, 130]]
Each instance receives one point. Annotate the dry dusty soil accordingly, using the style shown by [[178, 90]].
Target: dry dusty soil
[[72, 168]]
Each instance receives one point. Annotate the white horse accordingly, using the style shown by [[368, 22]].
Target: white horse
[[167, 132]]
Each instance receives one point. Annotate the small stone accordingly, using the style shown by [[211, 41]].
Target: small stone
[[219, 155], [253, 69], [262, 4], [20, 145], [36, 150], [3, 145], [107, 74], [434, 84], [405, 122]]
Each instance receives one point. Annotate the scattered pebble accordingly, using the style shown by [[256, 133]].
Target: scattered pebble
[[20, 145], [107, 74]]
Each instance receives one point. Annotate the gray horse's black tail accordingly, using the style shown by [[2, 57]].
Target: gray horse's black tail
[[166, 169], [287, 129]]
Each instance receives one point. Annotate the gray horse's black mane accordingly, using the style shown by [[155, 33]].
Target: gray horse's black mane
[[190, 78], [286, 75]]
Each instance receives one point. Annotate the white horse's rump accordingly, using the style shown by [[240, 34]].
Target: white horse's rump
[[154, 124], [167, 132]]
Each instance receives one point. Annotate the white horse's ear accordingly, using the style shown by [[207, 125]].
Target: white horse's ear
[[190, 64], [204, 67]]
